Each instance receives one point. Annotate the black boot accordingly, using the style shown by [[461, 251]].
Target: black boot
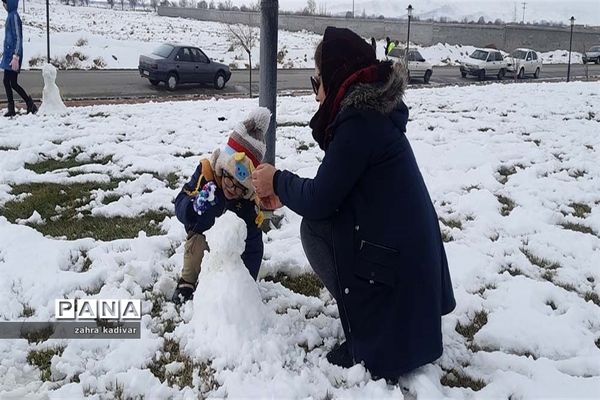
[[183, 292], [31, 107], [11, 109], [340, 356]]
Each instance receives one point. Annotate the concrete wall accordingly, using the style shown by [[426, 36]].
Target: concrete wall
[[505, 37]]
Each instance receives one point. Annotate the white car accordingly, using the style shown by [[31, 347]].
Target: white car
[[484, 62], [524, 62], [418, 67]]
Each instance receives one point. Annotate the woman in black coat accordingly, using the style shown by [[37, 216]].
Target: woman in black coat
[[370, 230]]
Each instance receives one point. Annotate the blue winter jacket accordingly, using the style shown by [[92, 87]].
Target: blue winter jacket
[[387, 248], [13, 36], [245, 209]]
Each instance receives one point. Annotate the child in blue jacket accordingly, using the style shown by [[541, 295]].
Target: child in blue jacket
[[219, 184], [12, 58]]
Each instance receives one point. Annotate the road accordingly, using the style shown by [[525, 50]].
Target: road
[[106, 84]]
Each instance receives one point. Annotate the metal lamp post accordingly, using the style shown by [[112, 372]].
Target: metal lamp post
[[268, 69], [570, 46], [409, 9], [48, 28]]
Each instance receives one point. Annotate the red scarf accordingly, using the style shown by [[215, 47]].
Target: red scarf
[[321, 121]]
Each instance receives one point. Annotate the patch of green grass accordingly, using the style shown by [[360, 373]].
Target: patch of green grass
[[446, 237], [577, 173], [469, 189], [455, 378], [100, 114], [552, 305], [589, 147], [539, 261], [512, 270], [566, 286], [505, 171], [452, 223], [577, 227], [70, 161], [39, 336], [507, 205], [593, 297], [301, 148], [42, 359], [549, 275], [172, 180], [292, 123], [486, 129], [489, 286], [46, 196], [469, 331], [580, 209], [8, 148], [307, 284], [186, 154], [171, 352], [110, 198]]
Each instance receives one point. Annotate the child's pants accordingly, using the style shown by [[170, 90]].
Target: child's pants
[[195, 245]]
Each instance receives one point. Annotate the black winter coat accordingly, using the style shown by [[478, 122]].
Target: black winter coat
[[389, 255]]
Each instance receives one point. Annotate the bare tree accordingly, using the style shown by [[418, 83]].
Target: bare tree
[[154, 4], [111, 3], [244, 37], [133, 4], [311, 7]]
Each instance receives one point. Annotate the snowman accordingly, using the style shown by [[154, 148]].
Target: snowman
[[51, 100]]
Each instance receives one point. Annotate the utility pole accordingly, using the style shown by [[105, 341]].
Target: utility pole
[[515, 14], [524, 6], [48, 29], [268, 69], [353, 9]]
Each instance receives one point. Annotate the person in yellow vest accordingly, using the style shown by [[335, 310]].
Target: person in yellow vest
[[223, 183], [391, 46]]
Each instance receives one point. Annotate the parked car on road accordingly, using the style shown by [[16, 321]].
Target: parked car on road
[[418, 67], [524, 61], [592, 55], [175, 64], [484, 62]]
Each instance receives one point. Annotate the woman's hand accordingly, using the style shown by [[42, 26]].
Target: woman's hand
[[262, 179], [270, 203], [14, 64]]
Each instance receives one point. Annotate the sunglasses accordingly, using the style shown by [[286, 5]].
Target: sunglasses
[[316, 83], [231, 182]]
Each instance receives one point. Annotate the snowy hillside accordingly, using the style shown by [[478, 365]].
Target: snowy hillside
[[86, 209], [90, 37]]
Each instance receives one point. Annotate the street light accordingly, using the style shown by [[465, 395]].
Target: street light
[[409, 9], [570, 45]]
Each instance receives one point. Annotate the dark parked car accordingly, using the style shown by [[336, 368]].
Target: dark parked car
[[592, 55], [176, 64]]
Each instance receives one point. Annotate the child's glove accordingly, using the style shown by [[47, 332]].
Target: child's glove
[[205, 198], [14, 64]]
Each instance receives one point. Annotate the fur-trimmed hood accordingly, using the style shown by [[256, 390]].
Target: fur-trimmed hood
[[383, 97]]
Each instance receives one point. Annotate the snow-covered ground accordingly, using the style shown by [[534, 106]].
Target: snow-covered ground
[[92, 37], [513, 176]]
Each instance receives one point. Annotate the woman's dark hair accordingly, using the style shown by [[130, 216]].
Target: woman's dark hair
[[319, 55]]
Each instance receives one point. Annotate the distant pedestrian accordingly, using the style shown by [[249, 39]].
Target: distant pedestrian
[[387, 45], [374, 45], [13, 58], [391, 46]]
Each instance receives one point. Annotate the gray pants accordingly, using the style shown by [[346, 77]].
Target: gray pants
[[317, 242]]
